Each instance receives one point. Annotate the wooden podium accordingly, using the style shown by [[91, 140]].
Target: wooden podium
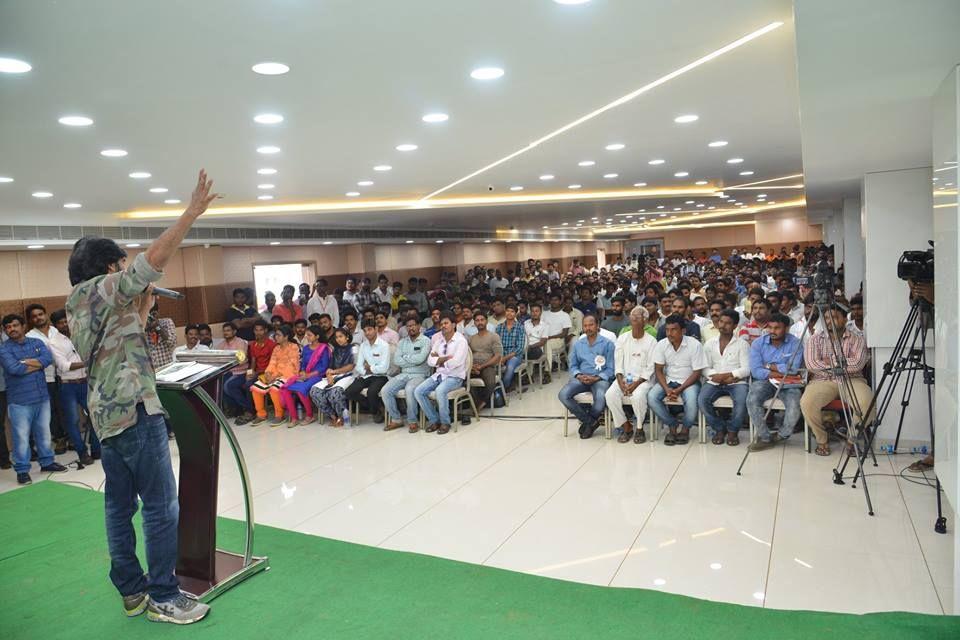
[[193, 404]]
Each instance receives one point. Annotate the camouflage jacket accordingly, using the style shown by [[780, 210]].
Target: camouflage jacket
[[105, 327]]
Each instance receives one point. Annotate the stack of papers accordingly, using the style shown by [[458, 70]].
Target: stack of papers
[[182, 370]]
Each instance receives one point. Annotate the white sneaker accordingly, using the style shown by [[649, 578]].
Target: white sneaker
[[180, 610]]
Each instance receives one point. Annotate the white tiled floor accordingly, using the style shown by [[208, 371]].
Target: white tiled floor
[[518, 495]]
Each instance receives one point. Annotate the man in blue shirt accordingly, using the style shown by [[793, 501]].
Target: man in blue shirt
[[591, 370], [775, 361], [23, 360]]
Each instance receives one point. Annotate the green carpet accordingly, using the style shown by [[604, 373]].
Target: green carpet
[[54, 584]]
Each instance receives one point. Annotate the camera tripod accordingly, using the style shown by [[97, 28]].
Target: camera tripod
[[909, 358]]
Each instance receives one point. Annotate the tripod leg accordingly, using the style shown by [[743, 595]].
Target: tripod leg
[[940, 526]]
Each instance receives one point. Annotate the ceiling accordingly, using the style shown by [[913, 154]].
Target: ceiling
[[172, 84], [867, 72]]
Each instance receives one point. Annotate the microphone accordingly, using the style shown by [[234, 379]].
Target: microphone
[[167, 293]]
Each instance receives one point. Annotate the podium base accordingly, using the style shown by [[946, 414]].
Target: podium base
[[229, 572]]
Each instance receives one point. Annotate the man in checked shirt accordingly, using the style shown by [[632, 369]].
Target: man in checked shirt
[[823, 386]]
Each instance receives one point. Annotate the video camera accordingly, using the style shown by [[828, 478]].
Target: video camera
[[916, 265], [823, 281]]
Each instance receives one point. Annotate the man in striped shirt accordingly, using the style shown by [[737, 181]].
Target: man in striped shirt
[[824, 384]]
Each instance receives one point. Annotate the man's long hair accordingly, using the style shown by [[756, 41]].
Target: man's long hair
[[90, 258]]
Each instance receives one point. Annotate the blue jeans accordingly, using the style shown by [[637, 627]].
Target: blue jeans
[[662, 411], [708, 395], [760, 392], [509, 370], [30, 420], [408, 382], [422, 394], [73, 397], [236, 390], [137, 462], [598, 389]]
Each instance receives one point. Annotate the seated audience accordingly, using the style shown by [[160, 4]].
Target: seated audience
[[775, 361], [323, 302], [269, 303], [681, 307], [206, 335], [634, 368], [237, 388], [759, 323], [373, 363], [385, 333], [487, 352], [288, 310], [192, 335], [678, 362], [824, 385], [242, 315], [411, 358], [232, 342], [591, 370], [328, 394], [300, 332], [448, 355], [615, 320], [727, 374]]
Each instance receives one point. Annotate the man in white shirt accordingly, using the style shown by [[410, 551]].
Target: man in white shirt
[[728, 368], [497, 282], [323, 302], [678, 361], [73, 387], [349, 294], [558, 324], [42, 330], [712, 330], [634, 368], [538, 335], [383, 292], [192, 335]]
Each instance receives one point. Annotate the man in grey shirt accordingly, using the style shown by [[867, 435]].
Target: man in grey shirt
[[411, 357]]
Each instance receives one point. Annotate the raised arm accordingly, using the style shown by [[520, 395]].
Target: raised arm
[[161, 249]]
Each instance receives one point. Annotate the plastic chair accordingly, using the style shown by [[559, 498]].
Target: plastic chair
[[723, 402], [498, 383], [458, 395], [586, 398]]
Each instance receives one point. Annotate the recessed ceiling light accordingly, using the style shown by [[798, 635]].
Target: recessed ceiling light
[[268, 118], [266, 171], [734, 160], [700, 182], [663, 215], [486, 73], [772, 202], [579, 224], [265, 186], [411, 241], [42, 194], [434, 118], [113, 153], [76, 121], [610, 176], [571, 2], [487, 241], [12, 65], [159, 190], [544, 227], [34, 246], [268, 149], [586, 163], [352, 194], [616, 146], [659, 206], [171, 201], [365, 183], [140, 175], [746, 173], [718, 143], [382, 167], [72, 205], [274, 243], [677, 208], [681, 174], [656, 161], [441, 241], [5, 179], [265, 197], [132, 245], [711, 207], [641, 211], [270, 68], [686, 118], [701, 205], [639, 184], [688, 202], [328, 242], [574, 186], [407, 147], [547, 176], [516, 188]]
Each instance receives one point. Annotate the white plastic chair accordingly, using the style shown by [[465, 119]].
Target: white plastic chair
[[586, 398]]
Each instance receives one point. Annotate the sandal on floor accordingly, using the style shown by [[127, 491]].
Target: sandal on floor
[[822, 450], [625, 436], [640, 437], [683, 438], [718, 438], [444, 429], [733, 439], [670, 439]]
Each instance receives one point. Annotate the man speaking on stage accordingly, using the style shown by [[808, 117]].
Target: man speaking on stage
[[107, 310]]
